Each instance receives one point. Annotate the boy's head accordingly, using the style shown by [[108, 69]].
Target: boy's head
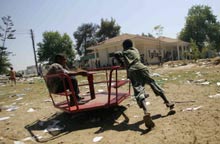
[[127, 44], [60, 58]]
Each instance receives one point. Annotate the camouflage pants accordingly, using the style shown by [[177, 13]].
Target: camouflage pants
[[74, 83], [138, 79]]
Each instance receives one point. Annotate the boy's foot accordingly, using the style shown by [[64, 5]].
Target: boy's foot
[[146, 95], [148, 121], [170, 105], [80, 98], [81, 102], [72, 103]]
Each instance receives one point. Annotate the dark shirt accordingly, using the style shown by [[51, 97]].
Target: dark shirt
[[55, 85], [132, 59]]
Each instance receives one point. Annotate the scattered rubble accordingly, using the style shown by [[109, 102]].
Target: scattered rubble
[[100, 90], [97, 139], [215, 96], [12, 108], [155, 75], [200, 81], [192, 108], [31, 110], [4, 118]]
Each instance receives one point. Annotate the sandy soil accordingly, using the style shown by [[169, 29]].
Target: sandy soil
[[193, 88]]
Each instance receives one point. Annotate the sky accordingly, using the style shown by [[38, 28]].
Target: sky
[[65, 16]]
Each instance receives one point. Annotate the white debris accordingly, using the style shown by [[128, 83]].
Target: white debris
[[46, 131], [218, 83], [155, 75], [54, 127], [205, 83], [4, 118], [215, 96], [27, 138], [18, 142], [100, 90], [200, 81], [20, 98], [12, 108], [192, 108], [147, 103], [31, 110], [97, 139], [199, 74], [48, 100], [19, 95]]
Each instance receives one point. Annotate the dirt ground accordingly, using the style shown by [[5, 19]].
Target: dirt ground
[[28, 116]]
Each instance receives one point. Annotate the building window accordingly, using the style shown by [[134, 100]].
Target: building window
[[153, 53], [97, 54], [142, 58], [111, 54]]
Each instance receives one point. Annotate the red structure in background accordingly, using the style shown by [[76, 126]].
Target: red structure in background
[[112, 94]]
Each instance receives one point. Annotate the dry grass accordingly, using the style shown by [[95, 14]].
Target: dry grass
[[181, 83]]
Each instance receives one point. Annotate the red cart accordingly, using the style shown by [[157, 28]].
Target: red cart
[[100, 93]]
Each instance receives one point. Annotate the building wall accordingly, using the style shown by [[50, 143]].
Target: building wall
[[150, 51], [31, 70]]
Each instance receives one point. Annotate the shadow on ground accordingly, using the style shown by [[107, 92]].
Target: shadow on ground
[[61, 124]]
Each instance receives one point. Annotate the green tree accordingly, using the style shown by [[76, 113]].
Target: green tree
[[195, 53], [148, 35], [54, 43], [201, 25], [6, 32], [158, 30], [4, 61], [108, 29], [208, 50], [85, 37]]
